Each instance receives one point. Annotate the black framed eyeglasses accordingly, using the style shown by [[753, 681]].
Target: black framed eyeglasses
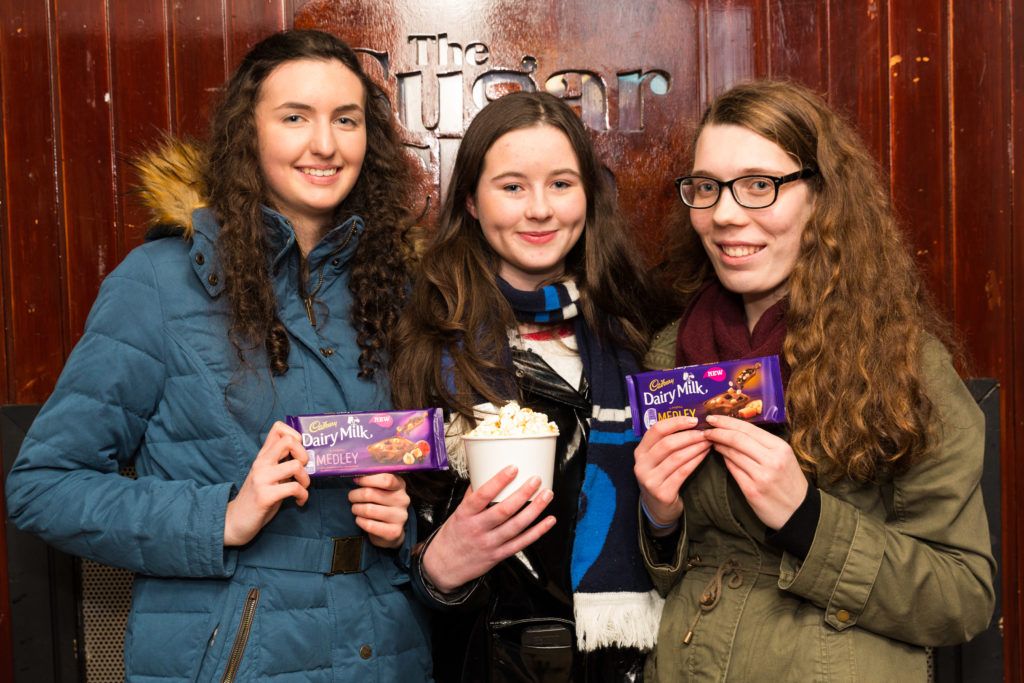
[[749, 191]]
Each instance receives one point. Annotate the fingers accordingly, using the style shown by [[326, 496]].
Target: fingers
[[511, 521], [759, 436], [476, 501], [742, 477], [290, 489], [282, 441], [672, 461], [739, 460], [666, 456], [385, 481], [503, 522], [382, 534], [524, 540], [663, 428], [674, 481], [389, 495], [738, 442]]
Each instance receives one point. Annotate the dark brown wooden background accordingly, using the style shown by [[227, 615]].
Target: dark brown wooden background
[[936, 87]]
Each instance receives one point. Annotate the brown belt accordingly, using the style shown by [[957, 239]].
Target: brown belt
[[339, 555]]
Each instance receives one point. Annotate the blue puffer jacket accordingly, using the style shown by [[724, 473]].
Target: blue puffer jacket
[[153, 382]]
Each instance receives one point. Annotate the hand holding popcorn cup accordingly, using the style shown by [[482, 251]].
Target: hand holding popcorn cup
[[515, 436]]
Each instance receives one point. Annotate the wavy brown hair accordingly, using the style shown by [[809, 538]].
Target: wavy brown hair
[[858, 312], [237, 191], [456, 311]]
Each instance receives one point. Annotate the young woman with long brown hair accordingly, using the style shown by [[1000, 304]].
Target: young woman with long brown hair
[[529, 291], [275, 299], [842, 546]]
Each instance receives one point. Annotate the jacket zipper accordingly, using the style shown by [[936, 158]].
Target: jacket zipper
[[242, 637], [308, 301]]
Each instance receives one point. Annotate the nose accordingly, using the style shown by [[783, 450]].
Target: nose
[[727, 211], [321, 139], [538, 208]]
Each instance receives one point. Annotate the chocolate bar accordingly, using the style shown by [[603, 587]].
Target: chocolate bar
[[353, 444], [749, 389]]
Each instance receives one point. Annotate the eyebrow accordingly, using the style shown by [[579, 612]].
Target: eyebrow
[[742, 172], [343, 109], [518, 175]]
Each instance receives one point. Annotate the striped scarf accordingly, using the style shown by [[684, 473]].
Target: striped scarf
[[614, 601]]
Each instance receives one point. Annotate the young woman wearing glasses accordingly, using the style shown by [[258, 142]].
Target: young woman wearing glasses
[[842, 545]]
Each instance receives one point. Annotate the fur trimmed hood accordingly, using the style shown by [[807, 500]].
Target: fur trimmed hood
[[170, 185]]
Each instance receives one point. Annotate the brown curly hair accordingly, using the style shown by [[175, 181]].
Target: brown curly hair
[[456, 308], [237, 191], [858, 312]]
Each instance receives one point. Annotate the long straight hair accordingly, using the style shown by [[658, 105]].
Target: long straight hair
[[456, 311]]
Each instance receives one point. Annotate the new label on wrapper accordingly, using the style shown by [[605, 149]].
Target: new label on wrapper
[[748, 389], [353, 444]]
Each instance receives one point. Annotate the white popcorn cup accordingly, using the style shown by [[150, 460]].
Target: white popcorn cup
[[533, 455]]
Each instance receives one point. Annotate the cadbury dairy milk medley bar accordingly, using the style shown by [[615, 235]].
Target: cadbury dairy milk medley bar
[[352, 444], [749, 389]]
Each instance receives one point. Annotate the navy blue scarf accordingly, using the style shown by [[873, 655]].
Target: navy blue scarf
[[613, 597]]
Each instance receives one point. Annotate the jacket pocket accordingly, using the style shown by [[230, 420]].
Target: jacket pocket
[[229, 632], [241, 636]]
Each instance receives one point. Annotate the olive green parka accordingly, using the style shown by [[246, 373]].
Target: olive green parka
[[894, 567]]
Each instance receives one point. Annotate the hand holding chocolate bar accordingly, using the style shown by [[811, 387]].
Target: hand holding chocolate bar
[[666, 456], [763, 465], [380, 506], [277, 473]]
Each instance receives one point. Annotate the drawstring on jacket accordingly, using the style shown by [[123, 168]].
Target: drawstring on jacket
[[713, 590]]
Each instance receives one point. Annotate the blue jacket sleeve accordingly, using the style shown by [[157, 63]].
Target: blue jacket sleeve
[[65, 484]]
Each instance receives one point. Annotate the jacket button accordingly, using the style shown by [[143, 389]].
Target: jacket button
[[213, 279], [200, 259], [366, 652], [336, 262], [843, 616], [327, 351]]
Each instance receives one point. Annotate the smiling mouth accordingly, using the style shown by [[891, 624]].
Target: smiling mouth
[[538, 236], [738, 251], [319, 172]]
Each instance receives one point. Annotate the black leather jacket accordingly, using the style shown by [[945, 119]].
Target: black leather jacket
[[516, 622]]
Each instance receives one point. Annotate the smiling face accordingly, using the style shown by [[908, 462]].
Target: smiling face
[[530, 203], [311, 130], [753, 251]]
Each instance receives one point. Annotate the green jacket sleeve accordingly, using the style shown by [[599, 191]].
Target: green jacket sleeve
[[663, 575], [921, 571]]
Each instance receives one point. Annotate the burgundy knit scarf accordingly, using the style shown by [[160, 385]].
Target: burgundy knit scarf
[[714, 328]]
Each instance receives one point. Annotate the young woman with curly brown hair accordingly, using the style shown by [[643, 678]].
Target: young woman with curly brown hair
[[274, 297], [839, 547], [529, 291]]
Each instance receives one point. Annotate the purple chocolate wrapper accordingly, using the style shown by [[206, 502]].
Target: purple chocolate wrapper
[[749, 389], [352, 444]]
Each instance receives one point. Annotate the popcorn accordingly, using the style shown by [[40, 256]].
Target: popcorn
[[513, 420]]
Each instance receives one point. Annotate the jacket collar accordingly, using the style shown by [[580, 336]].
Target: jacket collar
[[337, 245]]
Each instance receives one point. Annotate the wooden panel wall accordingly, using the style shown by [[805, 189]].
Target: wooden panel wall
[[936, 87]]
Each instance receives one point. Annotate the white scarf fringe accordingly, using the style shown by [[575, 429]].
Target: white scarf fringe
[[617, 619]]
